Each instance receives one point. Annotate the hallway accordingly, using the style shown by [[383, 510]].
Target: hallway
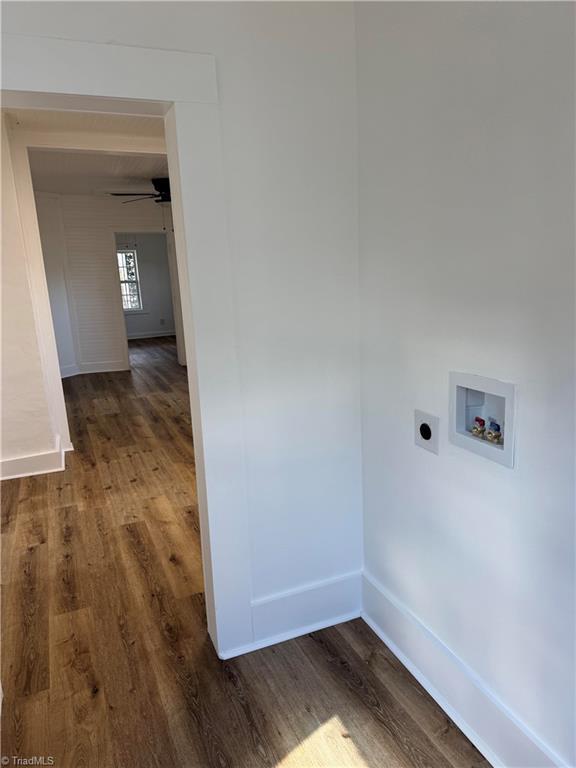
[[106, 658]]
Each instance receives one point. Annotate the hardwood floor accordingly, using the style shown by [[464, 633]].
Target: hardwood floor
[[105, 657]]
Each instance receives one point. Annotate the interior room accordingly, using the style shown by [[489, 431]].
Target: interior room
[[288, 384], [95, 240]]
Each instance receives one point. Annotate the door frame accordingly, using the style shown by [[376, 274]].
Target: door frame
[[58, 74], [168, 232]]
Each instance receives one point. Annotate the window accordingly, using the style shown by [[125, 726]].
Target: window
[[129, 282]]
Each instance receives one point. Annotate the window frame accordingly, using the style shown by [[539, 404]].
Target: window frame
[[124, 250]]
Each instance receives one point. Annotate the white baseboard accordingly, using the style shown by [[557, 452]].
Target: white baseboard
[[281, 638], [502, 738], [35, 463], [69, 370], [150, 335], [106, 366], [284, 615]]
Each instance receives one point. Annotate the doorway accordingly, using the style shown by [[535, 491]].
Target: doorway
[[110, 265], [106, 233], [146, 82]]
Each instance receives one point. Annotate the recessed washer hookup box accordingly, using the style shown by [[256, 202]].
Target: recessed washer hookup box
[[482, 416]]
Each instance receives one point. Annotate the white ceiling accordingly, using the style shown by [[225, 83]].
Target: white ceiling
[[85, 173]]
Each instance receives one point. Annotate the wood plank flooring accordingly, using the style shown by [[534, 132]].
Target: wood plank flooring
[[105, 656]]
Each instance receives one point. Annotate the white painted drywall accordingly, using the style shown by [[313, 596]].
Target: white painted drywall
[[55, 262], [286, 76], [156, 318], [466, 133], [467, 264], [174, 283], [27, 428]]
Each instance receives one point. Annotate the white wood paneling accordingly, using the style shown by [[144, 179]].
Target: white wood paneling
[[89, 226], [96, 302], [91, 211], [89, 277], [95, 172]]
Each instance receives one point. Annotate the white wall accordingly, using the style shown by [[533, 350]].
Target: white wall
[[27, 428], [55, 262], [467, 263], [286, 76], [156, 318], [78, 244]]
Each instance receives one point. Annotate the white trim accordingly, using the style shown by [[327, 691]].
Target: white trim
[[500, 454], [309, 607], [291, 612], [307, 587], [69, 370], [151, 334], [290, 635], [174, 283], [497, 732], [69, 103], [168, 231], [88, 141], [35, 463], [104, 366], [184, 85], [118, 307], [205, 269], [75, 67]]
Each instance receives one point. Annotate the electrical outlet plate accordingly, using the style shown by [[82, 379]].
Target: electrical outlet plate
[[426, 431]]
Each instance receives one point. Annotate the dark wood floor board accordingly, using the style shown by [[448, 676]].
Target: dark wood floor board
[[109, 405], [34, 487], [306, 709], [67, 560], [146, 471], [337, 657], [31, 524], [76, 693], [408, 691], [25, 612], [236, 719], [106, 659], [8, 542], [315, 712], [84, 454], [137, 722], [188, 721], [163, 618], [88, 488], [26, 726], [182, 563], [9, 496], [61, 489], [29, 530], [101, 435]]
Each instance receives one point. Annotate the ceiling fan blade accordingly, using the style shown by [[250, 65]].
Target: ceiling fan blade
[[132, 194], [137, 199]]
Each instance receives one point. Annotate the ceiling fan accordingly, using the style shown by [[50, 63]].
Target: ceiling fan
[[162, 194]]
